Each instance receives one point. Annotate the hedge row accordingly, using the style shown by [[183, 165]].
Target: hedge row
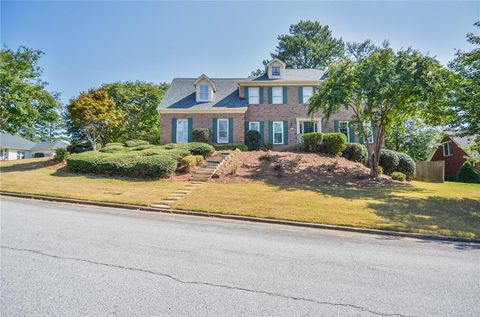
[[137, 160], [328, 143]]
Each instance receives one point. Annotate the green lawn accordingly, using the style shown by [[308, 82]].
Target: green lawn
[[32, 177], [447, 209]]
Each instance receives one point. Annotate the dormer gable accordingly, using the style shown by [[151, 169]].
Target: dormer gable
[[275, 68], [205, 88]]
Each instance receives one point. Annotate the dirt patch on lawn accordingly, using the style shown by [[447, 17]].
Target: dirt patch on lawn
[[296, 169]]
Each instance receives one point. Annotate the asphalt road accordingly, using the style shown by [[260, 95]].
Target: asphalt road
[[66, 260]]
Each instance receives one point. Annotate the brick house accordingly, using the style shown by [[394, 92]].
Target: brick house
[[274, 103], [452, 150]]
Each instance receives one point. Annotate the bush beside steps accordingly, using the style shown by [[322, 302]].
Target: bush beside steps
[[139, 159]]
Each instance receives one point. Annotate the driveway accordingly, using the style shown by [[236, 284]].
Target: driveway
[[60, 259]]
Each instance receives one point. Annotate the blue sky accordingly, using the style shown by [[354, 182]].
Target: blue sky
[[90, 43]]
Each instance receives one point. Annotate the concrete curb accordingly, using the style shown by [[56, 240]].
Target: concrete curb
[[245, 218]]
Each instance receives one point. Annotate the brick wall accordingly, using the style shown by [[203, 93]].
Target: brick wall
[[290, 112], [453, 162], [263, 112], [201, 121]]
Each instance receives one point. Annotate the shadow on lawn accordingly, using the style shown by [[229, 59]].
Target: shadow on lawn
[[22, 167]]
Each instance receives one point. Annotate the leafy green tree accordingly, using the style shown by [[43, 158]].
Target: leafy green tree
[[413, 137], [466, 106], [24, 101], [382, 89], [138, 101], [96, 114], [359, 50], [309, 45]]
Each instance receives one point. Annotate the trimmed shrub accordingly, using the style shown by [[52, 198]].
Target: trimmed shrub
[[142, 147], [113, 144], [117, 165], [60, 155], [201, 135], [312, 142], [253, 140], [356, 152], [398, 176], [203, 149], [79, 147], [113, 149], [380, 170], [155, 166], [199, 158], [468, 174], [334, 143], [86, 162], [135, 142], [240, 147], [388, 161], [188, 162], [406, 165]]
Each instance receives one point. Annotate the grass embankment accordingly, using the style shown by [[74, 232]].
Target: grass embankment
[[434, 208], [33, 177], [446, 209]]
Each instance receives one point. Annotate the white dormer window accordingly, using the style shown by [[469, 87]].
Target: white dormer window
[[204, 94], [276, 71]]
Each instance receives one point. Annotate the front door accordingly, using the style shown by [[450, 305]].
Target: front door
[[308, 126], [182, 131]]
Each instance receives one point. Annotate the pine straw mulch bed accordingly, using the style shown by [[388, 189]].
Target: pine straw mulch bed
[[296, 169]]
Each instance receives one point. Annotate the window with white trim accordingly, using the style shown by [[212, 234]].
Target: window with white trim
[[222, 131], [275, 70], [278, 132], [20, 155], [447, 148], [204, 92], [307, 93], [277, 95], [253, 95], [343, 128], [368, 130], [182, 130], [254, 125]]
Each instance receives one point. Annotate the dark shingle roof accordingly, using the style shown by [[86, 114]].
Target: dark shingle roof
[[294, 74], [11, 141], [181, 95], [15, 142]]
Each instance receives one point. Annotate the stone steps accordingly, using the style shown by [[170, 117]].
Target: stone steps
[[200, 176]]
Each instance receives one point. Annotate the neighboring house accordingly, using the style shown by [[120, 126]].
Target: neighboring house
[[13, 147], [275, 104], [452, 150]]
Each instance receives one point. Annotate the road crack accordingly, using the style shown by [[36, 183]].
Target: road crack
[[223, 286]]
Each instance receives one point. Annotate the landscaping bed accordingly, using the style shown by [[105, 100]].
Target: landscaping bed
[[49, 178], [139, 159], [296, 169]]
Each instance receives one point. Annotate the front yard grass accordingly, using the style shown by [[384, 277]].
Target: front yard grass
[[446, 209], [435, 208], [33, 177]]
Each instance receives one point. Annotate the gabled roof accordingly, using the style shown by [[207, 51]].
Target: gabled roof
[[294, 75], [203, 76], [461, 142], [49, 146], [16, 142], [276, 60], [181, 95]]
